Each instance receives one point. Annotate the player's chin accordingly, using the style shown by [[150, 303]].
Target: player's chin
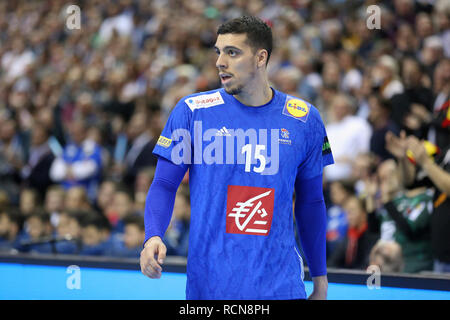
[[233, 90]]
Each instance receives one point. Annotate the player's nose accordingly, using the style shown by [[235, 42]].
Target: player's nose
[[221, 62]]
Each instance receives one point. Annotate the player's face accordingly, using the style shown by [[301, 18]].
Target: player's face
[[236, 62]]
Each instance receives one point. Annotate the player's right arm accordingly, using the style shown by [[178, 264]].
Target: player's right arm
[[158, 212], [161, 195]]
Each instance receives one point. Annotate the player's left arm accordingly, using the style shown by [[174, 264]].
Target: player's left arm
[[311, 217], [310, 210]]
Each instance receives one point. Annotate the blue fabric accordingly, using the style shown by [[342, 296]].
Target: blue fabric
[[243, 165], [337, 226], [311, 217], [161, 197]]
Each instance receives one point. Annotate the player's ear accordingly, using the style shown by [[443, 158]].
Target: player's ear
[[261, 56]]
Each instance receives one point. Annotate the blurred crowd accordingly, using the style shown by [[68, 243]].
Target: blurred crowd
[[81, 110]]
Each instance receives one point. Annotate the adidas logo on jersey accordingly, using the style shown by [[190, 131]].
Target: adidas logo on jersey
[[223, 132]]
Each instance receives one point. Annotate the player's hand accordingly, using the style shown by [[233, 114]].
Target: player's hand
[[152, 257], [320, 288]]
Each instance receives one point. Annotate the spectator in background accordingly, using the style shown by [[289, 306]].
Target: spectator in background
[[4, 201], [431, 53], [405, 217], [441, 12], [432, 173], [353, 252], [380, 120], [85, 109], [122, 206], [143, 181], [439, 132], [95, 235], [406, 41], [11, 159], [69, 232], [76, 199], [16, 61], [436, 174], [29, 201], [424, 25], [311, 82], [337, 223], [324, 101], [352, 77], [54, 203], [413, 107], [80, 164], [364, 167], [37, 228], [180, 82], [404, 9], [105, 196], [10, 227], [139, 151], [35, 173], [385, 77], [387, 255], [177, 233], [348, 134], [287, 79], [133, 237]]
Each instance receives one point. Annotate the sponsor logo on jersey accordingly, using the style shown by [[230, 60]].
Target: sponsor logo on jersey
[[223, 132], [164, 142], [255, 148], [284, 133], [249, 210], [326, 149], [204, 101], [296, 108]]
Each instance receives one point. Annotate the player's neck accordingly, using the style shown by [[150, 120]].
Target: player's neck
[[255, 95]]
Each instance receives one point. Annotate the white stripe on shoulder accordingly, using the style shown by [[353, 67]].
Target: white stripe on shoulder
[[204, 101]]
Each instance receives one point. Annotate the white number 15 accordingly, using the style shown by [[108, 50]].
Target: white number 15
[[247, 149]]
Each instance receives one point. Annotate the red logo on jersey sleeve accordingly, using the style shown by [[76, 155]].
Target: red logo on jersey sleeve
[[249, 210]]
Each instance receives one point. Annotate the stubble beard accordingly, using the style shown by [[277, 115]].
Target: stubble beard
[[234, 91], [239, 88]]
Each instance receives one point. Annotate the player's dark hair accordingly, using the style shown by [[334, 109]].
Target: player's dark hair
[[259, 34]]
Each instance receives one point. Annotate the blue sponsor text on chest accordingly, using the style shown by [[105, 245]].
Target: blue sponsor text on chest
[[228, 146]]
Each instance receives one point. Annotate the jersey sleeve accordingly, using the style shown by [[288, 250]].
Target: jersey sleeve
[[318, 152], [174, 143]]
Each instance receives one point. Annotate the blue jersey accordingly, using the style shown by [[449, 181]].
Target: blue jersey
[[87, 151], [243, 165]]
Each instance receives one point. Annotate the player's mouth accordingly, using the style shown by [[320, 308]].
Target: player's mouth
[[225, 77]]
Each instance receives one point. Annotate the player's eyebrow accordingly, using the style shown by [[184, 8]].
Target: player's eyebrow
[[227, 48]]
